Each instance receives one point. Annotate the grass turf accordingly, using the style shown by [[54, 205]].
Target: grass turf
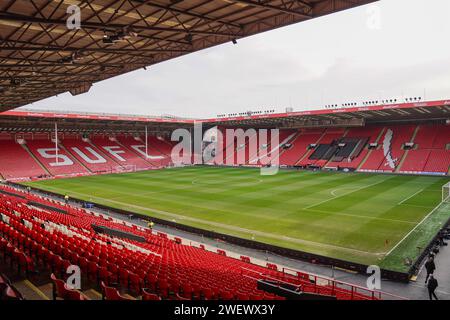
[[361, 218]]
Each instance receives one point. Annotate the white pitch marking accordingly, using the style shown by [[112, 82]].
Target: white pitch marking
[[412, 196], [362, 217], [412, 230], [333, 193], [235, 228], [243, 183], [347, 193]]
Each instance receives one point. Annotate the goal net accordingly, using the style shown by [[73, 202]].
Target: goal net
[[446, 193]]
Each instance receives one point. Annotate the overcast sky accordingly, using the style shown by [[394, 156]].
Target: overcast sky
[[389, 49]]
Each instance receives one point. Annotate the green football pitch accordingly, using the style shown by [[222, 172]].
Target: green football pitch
[[363, 218]]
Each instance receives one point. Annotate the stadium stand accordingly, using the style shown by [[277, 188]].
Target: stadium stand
[[430, 153], [401, 135], [38, 240], [160, 144], [285, 136], [368, 134], [325, 148], [56, 164], [299, 147], [88, 155], [17, 163], [137, 145], [118, 153], [438, 161], [416, 161], [369, 149]]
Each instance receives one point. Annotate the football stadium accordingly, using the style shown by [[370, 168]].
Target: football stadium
[[292, 205]]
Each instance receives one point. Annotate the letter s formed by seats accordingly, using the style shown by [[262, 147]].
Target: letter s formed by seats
[[98, 157], [50, 153]]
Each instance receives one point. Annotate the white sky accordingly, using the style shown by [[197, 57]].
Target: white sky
[[389, 49]]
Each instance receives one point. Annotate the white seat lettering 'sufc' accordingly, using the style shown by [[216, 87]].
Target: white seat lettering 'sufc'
[[99, 158], [115, 151], [50, 153], [140, 149]]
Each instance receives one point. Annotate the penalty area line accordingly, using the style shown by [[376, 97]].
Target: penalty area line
[[412, 196], [343, 195], [413, 229]]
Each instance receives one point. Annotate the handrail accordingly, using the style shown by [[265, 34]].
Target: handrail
[[368, 293]]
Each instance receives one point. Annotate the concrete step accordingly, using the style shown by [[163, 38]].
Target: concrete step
[[31, 292], [92, 294]]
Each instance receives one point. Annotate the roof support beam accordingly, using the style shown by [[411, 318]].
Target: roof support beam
[[108, 27], [281, 9], [103, 50], [186, 12]]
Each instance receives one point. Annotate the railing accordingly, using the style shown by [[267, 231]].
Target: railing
[[323, 285], [338, 286]]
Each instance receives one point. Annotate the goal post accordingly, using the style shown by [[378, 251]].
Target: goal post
[[446, 193]]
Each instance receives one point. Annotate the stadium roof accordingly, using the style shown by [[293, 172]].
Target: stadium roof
[[41, 57], [355, 116]]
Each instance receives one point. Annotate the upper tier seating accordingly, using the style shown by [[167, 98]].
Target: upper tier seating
[[16, 162]]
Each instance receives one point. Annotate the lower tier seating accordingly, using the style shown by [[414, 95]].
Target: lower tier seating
[[438, 161], [167, 269], [17, 163]]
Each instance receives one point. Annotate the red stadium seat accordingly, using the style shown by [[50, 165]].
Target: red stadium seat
[[110, 293], [148, 296]]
